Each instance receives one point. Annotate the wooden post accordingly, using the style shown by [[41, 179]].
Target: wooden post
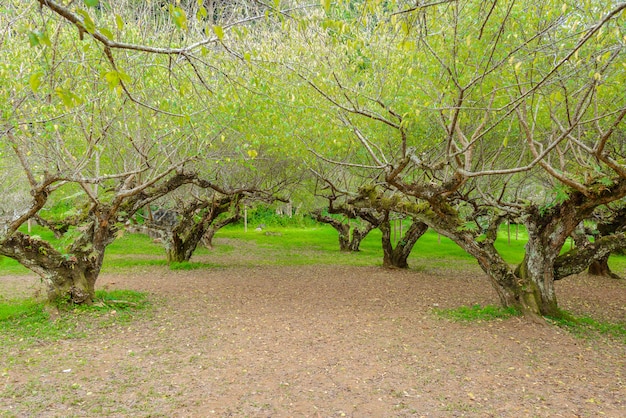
[[508, 230], [245, 219]]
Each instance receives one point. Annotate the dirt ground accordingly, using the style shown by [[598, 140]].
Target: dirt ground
[[326, 341]]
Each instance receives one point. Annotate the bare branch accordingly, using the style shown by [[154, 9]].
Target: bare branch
[[423, 6], [372, 167]]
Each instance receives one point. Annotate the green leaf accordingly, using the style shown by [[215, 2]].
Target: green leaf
[[34, 81], [202, 13], [88, 22], [33, 39], [112, 78], [123, 76], [92, 3], [69, 98], [326, 5], [179, 17], [219, 32], [43, 38], [38, 37], [107, 33], [119, 22]]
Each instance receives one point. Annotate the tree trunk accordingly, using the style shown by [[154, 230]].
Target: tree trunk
[[183, 239], [512, 291], [342, 229], [398, 257], [207, 239], [344, 236], [547, 234], [358, 234], [70, 278], [601, 268], [180, 246], [76, 285], [177, 249], [538, 277], [593, 255]]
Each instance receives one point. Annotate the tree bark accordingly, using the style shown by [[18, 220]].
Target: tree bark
[[398, 257], [358, 234], [70, 278], [616, 222], [601, 268], [207, 239], [593, 255], [183, 239], [346, 243]]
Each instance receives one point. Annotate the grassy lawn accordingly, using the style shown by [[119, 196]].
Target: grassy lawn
[[287, 245]]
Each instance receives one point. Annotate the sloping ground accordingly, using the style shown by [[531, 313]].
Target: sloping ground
[[322, 342]]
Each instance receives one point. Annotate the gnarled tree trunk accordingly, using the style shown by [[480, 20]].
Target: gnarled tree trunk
[[358, 235], [592, 255], [183, 239], [207, 239], [601, 268], [67, 277], [396, 257], [349, 238]]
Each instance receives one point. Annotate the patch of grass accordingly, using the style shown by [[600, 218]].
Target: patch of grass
[[617, 263], [8, 266], [319, 245], [476, 313], [119, 262], [30, 320], [587, 327], [266, 215], [188, 265], [15, 308], [135, 244]]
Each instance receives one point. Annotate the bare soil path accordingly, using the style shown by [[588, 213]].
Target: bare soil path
[[326, 341]]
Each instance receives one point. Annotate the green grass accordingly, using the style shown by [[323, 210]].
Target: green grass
[[135, 244], [476, 313], [589, 328], [30, 320], [296, 245], [8, 266], [319, 245], [188, 265]]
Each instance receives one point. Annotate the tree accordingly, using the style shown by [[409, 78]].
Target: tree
[[397, 257], [350, 231], [463, 109], [71, 137], [198, 218], [351, 223], [607, 225], [460, 113]]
